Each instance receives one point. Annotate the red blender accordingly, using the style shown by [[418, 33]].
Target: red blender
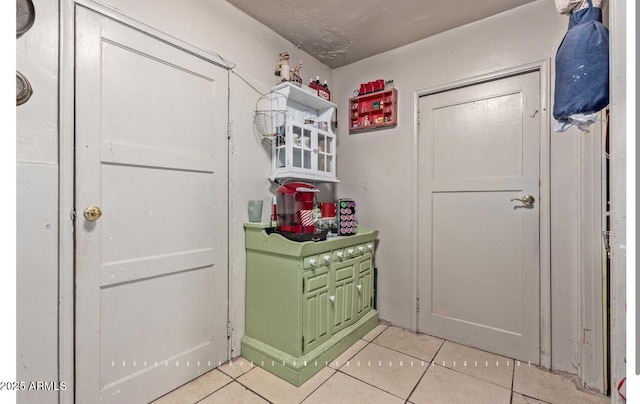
[[295, 211]]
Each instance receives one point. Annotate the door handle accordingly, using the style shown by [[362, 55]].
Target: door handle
[[527, 200], [92, 213]]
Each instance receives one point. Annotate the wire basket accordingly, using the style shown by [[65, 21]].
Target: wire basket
[[270, 117], [270, 123]]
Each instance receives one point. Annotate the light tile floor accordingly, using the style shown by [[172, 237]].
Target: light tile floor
[[391, 365]]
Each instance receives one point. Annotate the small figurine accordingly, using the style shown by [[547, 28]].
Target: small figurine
[[285, 72], [282, 67], [295, 74]]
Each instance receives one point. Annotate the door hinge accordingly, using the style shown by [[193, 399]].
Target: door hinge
[[303, 286], [303, 343], [229, 329], [418, 304], [228, 130], [72, 214]]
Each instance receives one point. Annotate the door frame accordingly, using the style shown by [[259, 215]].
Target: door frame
[[66, 175], [543, 67]]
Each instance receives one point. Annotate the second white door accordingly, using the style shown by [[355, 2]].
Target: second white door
[[151, 271], [478, 216]]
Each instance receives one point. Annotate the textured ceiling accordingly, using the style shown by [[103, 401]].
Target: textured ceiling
[[339, 32]]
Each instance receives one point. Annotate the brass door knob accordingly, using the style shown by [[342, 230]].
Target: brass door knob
[[92, 213]]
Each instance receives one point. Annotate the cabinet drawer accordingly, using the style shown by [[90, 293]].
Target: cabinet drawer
[[350, 251], [369, 247], [316, 261], [338, 255], [311, 262], [325, 258]]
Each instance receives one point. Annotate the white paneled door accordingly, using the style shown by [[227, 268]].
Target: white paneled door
[[151, 213], [478, 216]]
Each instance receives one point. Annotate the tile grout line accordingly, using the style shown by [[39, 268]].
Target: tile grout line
[[305, 397], [374, 338], [334, 370], [234, 379], [253, 391], [369, 384], [513, 380], [429, 362], [252, 366], [216, 390], [352, 356], [418, 382], [425, 372], [338, 369], [320, 385], [414, 387], [404, 353], [474, 377], [172, 392]]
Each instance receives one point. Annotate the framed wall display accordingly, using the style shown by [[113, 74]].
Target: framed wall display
[[374, 110]]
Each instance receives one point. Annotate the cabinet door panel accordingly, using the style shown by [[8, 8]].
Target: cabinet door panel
[[344, 314], [317, 281], [316, 320], [343, 303], [365, 263], [301, 149], [344, 272], [364, 288], [325, 152]]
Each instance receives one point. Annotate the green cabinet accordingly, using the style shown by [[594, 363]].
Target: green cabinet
[[306, 303]]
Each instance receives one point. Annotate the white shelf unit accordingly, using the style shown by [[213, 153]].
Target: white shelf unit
[[304, 147]]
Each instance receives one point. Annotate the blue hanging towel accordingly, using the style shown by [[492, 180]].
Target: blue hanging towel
[[582, 70]]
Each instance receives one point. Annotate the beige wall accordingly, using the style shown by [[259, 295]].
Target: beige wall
[[375, 168]]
